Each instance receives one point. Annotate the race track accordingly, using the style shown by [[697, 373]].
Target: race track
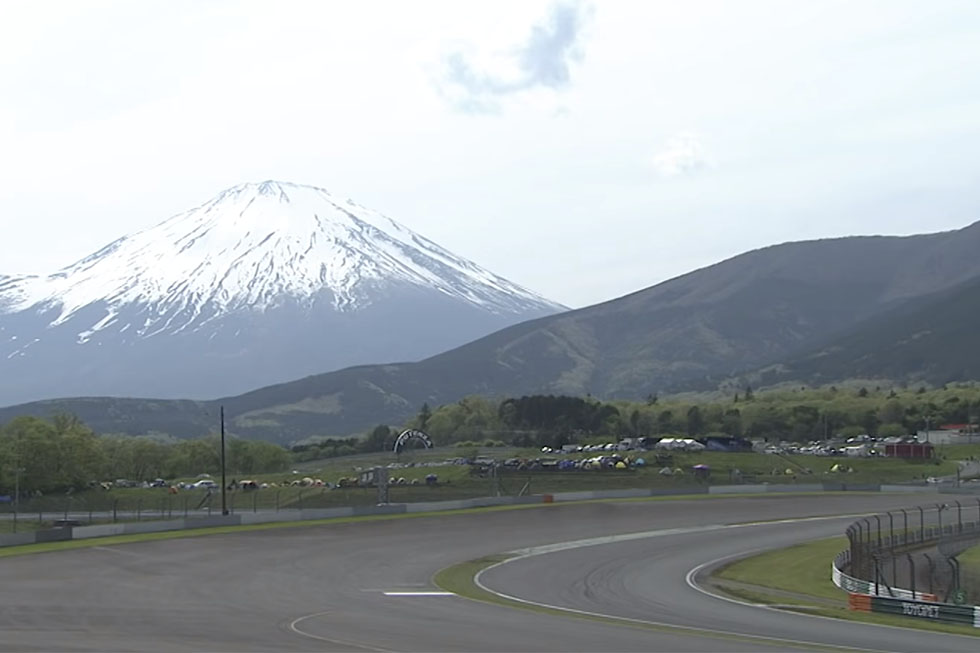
[[323, 588]]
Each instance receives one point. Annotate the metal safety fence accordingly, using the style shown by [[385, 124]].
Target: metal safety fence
[[916, 549]]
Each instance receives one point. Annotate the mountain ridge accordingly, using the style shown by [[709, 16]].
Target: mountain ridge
[[695, 332], [228, 281]]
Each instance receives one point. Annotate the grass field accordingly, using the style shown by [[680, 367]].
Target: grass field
[[798, 578], [803, 568]]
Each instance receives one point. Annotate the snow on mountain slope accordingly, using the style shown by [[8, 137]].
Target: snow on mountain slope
[[13, 292], [251, 248]]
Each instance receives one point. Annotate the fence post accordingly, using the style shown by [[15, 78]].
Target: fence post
[[878, 521], [922, 525], [959, 517], [856, 552], [905, 526], [115, 506], [891, 533], [866, 554], [954, 567], [912, 575], [932, 573], [877, 575]]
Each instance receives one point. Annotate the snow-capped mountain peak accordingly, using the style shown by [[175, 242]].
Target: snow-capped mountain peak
[[267, 282], [251, 248]]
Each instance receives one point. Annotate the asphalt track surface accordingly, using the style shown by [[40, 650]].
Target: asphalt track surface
[[322, 588]]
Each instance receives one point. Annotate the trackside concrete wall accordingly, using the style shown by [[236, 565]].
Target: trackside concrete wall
[[910, 488], [802, 487], [17, 539], [100, 530], [736, 489]]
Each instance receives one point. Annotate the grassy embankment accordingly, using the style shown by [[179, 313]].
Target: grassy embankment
[[798, 578]]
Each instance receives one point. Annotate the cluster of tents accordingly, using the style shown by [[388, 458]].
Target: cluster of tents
[[679, 444]]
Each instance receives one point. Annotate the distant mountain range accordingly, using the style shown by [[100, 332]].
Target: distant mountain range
[[264, 283], [899, 308], [930, 340]]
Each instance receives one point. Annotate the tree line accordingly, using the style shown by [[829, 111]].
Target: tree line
[[63, 454], [796, 414]]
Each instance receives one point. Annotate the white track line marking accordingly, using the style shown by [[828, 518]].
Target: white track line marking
[[596, 541], [427, 593], [293, 626]]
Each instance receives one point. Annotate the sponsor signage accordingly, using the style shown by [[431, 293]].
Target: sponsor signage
[[959, 614]]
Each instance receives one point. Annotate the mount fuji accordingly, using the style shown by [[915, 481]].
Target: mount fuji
[[264, 283]]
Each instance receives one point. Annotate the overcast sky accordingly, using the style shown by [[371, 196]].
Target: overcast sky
[[584, 150]]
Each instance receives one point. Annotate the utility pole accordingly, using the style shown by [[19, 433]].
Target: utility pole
[[17, 471], [224, 483]]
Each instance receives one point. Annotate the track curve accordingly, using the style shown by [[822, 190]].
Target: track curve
[[324, 587]]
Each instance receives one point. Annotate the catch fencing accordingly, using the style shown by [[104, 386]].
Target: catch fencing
[[907, 562]]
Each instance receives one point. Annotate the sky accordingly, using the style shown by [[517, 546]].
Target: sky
[[584, 150]]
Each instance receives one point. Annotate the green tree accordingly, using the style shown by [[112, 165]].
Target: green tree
[[695, 421], [892, 412], [891, 430], [425, 413], [379, 439], [731, 423]]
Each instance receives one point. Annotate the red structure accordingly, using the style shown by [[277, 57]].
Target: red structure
[[909, 450]]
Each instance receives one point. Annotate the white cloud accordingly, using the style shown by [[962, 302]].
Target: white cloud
[[543, 61], [684, 153]]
